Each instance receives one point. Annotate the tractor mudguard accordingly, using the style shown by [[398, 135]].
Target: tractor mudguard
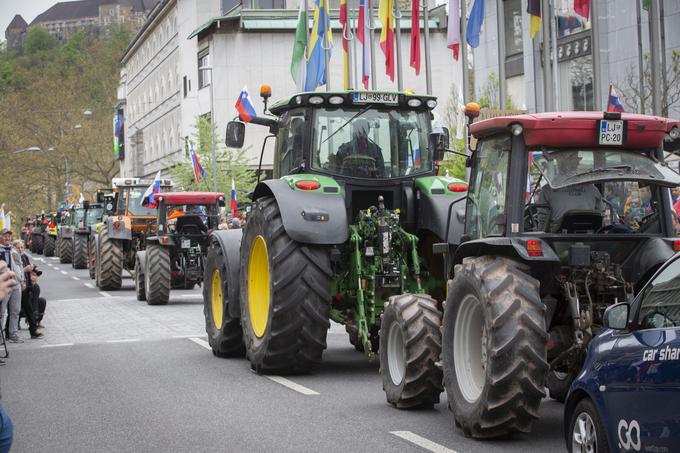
[[142, 261], [122, 231], [309, 218], [651, 254], [432, 215], [230, 243], [509, 247]]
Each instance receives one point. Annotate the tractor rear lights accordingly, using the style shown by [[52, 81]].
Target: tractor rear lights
[[165, 240], [307, 185], [457, 187], [676, 245], [534, 247]]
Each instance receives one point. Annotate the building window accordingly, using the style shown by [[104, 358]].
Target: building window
[[576, 84], [228, 5], [267, 4], [203, 75], [186, 86], [513, 27]]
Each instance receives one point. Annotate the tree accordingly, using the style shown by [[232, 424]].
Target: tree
[[231, 163], [491, 93], [670, 93], [454, 164], [39, 41]]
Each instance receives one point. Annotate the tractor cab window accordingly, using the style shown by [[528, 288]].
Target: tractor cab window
[[134, 202], [291, 142], [371, 142], [487, 190], [190, 219], [78, 216], [94, 215]]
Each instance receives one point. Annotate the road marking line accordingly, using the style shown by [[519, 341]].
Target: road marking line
[[50, 264], [75, 278], [56, 268], [124, 340], [185, 336], [422, 442], [89, 285], [104, 293], [201, 342], [56, 345], [64, 272], [292, 385]]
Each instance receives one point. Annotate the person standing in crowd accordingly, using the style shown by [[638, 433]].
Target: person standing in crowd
[[12, 303], [7, 284], [31, 293]]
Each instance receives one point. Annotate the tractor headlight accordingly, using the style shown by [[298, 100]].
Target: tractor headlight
[[516, 129], [336, 100], [431, 103], [315, 100], [674, 133], [414, 103]]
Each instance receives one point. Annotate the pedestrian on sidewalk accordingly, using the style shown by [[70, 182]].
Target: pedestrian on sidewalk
[[36, 302], [30, 295], [12, 303]]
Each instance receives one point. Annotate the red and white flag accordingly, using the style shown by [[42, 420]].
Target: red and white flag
[[453, 34]]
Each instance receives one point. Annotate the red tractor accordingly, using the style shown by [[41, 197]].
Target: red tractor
[[174, 256]]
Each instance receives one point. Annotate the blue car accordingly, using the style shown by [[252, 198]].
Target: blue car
[[627, 397]]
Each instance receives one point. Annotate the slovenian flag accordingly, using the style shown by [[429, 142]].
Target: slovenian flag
[[234, 208], [364, 36], [614, 105], [196, 166], [244, 106], [149, 198], [416, 157]]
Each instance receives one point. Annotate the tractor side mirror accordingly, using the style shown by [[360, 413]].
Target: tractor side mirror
[[236, 134], [439, 143], [616, 316]]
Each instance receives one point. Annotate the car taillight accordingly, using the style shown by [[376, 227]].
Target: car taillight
[[307, 185], [676, 246], [534, 247], [457, 187]]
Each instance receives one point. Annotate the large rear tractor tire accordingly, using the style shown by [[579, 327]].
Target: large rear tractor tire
[[65, 251], [410, 346], [158, 275], [79, 251], [109, 262], [494, 347], [285, 295], [220, 289], [50, 245], [91, 257], [38, 244], [140, 283]]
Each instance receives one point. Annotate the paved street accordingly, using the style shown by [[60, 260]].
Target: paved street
[[113, 374]]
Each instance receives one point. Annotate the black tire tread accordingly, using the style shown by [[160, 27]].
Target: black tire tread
[[158, 273], [79, 251], [109, 262], [38, 243], [50, 246], [140, 287], [65, 251], [420, 320], [517, 347]]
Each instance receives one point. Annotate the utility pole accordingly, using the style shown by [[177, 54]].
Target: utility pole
[[426, 20], [371, 28], [641, 69], [595, 47], [463, 51], [547, 88], [396, 12], [655, 47]]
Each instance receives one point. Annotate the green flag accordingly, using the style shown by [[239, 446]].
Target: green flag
[[298, 67]]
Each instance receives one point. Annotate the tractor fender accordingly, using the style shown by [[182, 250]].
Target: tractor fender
[[309, 218], [230, 243], [142, 261], [433, 211], [501, 246], [124, 229]]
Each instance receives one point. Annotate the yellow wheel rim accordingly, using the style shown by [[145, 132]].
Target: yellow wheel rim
[[216, 291], [258, 287]]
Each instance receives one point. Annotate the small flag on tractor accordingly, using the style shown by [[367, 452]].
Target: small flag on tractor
[[613, 103], [234, 207], [149, 198], [196, 165], [245, 107]]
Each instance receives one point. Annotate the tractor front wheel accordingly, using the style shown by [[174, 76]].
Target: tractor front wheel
[[79, 251], [157, 275], [38, 244], [109, 262], [49, 246], [65, 251], [494, 347], [220, 289], [285, 295], [410, 346]]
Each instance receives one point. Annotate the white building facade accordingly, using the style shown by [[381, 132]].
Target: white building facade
[[163, 90]]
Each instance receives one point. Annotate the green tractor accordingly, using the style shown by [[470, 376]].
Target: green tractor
[[344, 233], [85, 217]]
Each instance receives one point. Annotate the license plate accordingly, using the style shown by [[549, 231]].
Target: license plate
[[610, 132], [186, 243], [365, 97]]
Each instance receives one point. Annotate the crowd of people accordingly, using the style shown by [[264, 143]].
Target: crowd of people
[[231, 222]]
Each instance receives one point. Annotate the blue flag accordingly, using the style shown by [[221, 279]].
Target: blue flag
[[474, 24], [316, 61]]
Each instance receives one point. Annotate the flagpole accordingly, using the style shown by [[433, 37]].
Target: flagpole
[[309, 38], [609, 96], [350, 37], [654, 34], [641, 71], [396, 12], [354, 49], [595, 48], [371, 28], [501, 53], [326, 25], [426, 38], [463, 51], [547, 93]]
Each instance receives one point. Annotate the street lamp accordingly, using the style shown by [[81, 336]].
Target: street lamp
[[212, 126]]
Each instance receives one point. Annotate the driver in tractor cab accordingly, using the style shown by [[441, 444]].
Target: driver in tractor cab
[[582, 197], [360, 144]]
